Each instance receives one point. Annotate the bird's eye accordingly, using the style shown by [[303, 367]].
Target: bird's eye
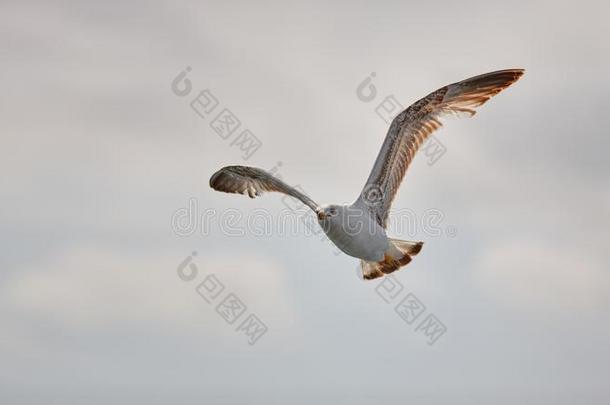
[[333, 211]]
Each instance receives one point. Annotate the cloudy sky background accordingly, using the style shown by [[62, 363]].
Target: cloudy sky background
[[98, 153]]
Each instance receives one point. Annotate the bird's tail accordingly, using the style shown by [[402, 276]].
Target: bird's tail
[[399, 254]]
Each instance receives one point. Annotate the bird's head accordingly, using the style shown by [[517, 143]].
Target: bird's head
[[328, 212]]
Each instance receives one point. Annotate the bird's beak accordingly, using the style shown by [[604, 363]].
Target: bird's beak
[[321, 215]]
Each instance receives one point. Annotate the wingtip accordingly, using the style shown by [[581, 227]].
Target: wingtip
[[213, 179], [221, 173], [519, 72]]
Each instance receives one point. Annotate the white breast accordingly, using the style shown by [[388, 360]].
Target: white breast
[[357, 234]]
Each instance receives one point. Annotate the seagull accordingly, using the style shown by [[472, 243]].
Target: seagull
[[359, 229]]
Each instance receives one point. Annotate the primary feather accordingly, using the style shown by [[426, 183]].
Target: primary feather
[[252, 182], [410, 129]]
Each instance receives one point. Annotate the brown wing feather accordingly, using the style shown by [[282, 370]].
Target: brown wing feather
[[410, 129], [252, 181]]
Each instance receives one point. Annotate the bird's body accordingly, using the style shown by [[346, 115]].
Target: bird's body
[[355, 232], [359, 229]]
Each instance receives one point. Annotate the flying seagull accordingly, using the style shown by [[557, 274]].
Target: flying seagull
[[359, 229]]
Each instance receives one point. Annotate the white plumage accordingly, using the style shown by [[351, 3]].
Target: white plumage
[[359, 229]]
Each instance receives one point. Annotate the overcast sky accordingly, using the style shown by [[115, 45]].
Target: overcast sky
[[99, 154]]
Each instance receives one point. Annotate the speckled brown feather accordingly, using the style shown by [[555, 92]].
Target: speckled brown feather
[[389, 264], [252, 181], [410, 129]]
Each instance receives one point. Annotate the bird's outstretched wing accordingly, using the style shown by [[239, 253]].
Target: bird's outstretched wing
[[253, 182], [410, 129]]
